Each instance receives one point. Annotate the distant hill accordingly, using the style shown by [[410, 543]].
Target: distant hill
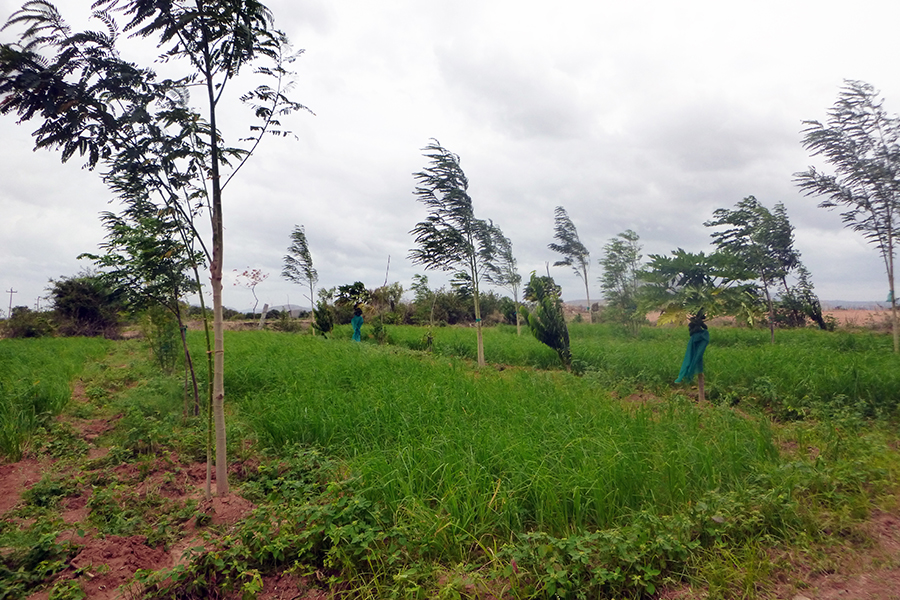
[[826, 304], [295, 310], [854, 305]]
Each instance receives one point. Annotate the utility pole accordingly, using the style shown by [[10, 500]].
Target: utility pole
[[10, 291]]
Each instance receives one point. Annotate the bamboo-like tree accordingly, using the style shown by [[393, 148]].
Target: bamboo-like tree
[[451, 238], [298, 265], [93, 103], [575, 254], [146, 257], [861, 141], [764, 242], [502, 271]]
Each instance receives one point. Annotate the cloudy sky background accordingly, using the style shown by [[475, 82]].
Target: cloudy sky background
[[645, 115]]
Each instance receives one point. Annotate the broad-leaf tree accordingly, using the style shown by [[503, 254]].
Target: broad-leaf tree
[[684, 283], [503, 272], [451, 238], [92, 103], [574, 253], [620, 282], [298, 264], [763, 240], [861, 142]]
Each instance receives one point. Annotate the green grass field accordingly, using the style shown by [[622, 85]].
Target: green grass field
[[405, 473], [520, 460], [35, 380]]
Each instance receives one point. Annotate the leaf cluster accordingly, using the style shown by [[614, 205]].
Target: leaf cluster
[[298, 263], [451, 237], [546, 319], [861, 141], [574, 253]]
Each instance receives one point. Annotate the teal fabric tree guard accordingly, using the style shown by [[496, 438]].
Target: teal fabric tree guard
[[357, 322], [693, 357]]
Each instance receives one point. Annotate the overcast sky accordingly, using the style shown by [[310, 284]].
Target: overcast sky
[[631, 115]]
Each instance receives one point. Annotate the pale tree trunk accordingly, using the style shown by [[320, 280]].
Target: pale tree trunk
[[215, 276], [478, 329], [894, 329], [587, 294], [518, 317]]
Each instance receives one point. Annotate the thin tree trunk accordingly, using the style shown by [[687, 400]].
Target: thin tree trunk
[[189, 364], [215, 270], [701, 384], [588, 296], [518, 318], [478, 329]]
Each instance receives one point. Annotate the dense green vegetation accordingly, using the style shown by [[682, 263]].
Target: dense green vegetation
[[392, 472], [807, 372], [35, 378]]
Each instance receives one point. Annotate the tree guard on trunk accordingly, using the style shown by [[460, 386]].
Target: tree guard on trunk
[[693, 356]]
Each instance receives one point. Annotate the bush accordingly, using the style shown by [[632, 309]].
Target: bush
[[26, 323], [84, 305]]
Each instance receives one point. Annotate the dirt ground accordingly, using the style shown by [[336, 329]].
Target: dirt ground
[[105, 565]]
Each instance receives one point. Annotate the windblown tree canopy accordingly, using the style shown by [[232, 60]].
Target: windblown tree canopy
[[451, 238], [574, 253], [621, 282], [91, 102], [763, 240], [502, 271], [298, 264], [861, 141]]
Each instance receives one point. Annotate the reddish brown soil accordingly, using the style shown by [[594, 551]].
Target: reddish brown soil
[[105, 565]]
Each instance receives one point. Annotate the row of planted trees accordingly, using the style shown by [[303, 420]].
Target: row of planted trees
[[164, 158]]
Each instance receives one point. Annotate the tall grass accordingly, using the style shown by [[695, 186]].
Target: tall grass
[[488, 452], [806, 371], [35, 377]]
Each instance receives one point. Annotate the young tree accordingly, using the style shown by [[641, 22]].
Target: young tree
[[93, 103], [250, 278], [298, 264], [620, 282], [503, 272], [547, 321], [574, 253], [860, 140], [145, 255], [685, 283], [451, 238], [764, 243]]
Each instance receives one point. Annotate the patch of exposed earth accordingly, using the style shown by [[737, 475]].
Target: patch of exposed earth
[[105, 565]]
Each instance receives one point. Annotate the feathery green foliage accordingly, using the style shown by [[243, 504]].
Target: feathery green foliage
[[546, 319], [298, 263], [859, 140], [451, 238], [574, 253]]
